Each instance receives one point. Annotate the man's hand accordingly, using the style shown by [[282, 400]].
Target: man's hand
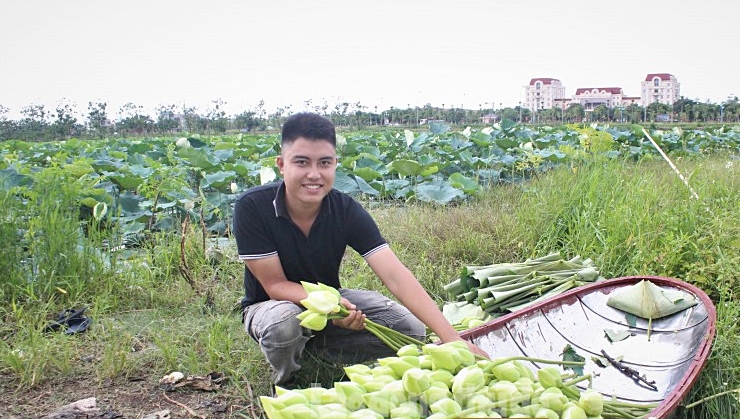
[[354, 321], [476, 350]]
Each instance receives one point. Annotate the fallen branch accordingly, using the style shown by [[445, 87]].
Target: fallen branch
[[189, 410]]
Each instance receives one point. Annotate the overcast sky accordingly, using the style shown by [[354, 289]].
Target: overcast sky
[[378, 52]]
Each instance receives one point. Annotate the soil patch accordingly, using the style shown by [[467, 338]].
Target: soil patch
[[122, 399]]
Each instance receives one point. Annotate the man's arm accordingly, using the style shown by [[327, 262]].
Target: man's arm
[[404, 286], [271, 276]]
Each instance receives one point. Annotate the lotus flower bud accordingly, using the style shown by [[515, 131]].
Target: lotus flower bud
[[573, 412], [397, 365], [529, 410], [408, 350], [439, 415], [406, 410], [381, 401], [434, 394], [310, 287], [365, 414], [467, 357], [506, 371], [312, 320], [330, 412], [447, 406], [329, 397], [443, 356], [378, 382], [525, 386], [313, 394], [546, 413], [479, 402], [271, 407], [288, 397], [350, 394], [550, 377], [324, 287], [592, 402], [553, 398], [396, 388], [441, 376], [503, 390], [323, 302], [356, 371], [415, 381], [524, 371], [384, 370], [299, 411], [425, 362], [468, 380], [412, 360]]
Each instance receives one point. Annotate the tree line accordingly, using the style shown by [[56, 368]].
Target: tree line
[[41, 124]]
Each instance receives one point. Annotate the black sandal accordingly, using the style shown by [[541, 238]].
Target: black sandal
[[71, 321]]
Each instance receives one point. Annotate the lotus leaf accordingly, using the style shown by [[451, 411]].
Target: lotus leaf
[[649, 301]]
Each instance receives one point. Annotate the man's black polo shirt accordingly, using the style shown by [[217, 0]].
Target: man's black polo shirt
[[263, 228]]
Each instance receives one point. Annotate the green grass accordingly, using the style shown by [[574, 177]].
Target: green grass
[[631, 218]]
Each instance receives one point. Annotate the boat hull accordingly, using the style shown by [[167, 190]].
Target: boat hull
[[667, 356]]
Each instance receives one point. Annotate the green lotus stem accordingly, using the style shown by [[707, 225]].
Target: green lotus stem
[[390, 337], [620, 413], [530, 359]]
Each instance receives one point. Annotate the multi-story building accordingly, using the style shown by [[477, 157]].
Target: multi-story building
[[546, 93], [542, 93], [660, 87], [611, 97]]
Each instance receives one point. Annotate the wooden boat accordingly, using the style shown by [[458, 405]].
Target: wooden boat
[[659, 364]]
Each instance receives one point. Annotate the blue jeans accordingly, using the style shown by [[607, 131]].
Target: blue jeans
[[274, 326]]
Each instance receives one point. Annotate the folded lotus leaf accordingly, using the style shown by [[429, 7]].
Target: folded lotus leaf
[[649, 301]]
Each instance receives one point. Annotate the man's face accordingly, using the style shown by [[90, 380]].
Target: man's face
[[308, 169]]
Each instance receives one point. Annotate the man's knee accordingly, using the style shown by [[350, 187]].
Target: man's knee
[[411, 326]]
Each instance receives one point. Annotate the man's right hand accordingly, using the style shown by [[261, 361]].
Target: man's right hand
[[355, 320]]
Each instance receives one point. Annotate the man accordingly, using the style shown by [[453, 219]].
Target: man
[[298, 230]]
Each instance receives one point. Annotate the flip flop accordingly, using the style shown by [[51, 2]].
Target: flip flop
[[78, 325], [71, 320]]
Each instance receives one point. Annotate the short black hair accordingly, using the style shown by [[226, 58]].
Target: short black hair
[[310, 126]]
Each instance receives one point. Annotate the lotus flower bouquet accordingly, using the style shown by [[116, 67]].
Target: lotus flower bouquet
[[324, 303]]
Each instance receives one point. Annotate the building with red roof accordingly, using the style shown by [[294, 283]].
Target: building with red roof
[[542, 93], [660, 87], [546, 93]]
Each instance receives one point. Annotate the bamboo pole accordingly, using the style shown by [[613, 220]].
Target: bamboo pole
[[673, 166]]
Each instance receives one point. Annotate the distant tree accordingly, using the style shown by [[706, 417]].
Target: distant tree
[[193, 121], [247, 121], [97, 119], [35, 123], [8, 128], [575, 112], [65, 123], [217, 120], [134, 120], [167, 120]]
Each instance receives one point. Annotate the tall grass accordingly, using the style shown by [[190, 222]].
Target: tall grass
[[629, 217]]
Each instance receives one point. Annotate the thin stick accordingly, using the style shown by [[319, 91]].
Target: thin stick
[[189, 410], [673, 166]]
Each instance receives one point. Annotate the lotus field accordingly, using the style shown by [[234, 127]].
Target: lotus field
[[141, 184], [116, 224]]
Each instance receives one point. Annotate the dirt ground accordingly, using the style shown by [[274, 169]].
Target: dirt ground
[[124, 399]]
